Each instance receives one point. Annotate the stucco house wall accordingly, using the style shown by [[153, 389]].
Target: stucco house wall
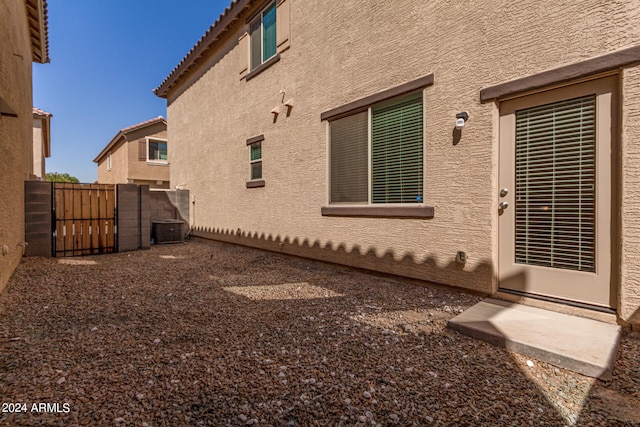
[[341, 51], [41, 142], [16, 134], [126, 164]]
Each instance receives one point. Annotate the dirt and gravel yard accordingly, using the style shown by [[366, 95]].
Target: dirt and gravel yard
[[202, 334]]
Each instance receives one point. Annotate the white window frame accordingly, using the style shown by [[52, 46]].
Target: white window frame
[[109, 162], [157, 162], [369, 153], [260, 17]]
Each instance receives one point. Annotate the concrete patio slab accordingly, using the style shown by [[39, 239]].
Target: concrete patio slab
[[586, 346]]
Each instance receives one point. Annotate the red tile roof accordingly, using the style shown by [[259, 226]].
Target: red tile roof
[[124, 131], [143, 124], [41, 113]]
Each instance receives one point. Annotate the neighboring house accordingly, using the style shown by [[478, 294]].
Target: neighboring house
[[328, 130], [41, 142], [136, 155], [24, 35]]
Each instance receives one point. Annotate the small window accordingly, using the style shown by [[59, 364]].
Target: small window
[[262, 32], [376, 156], [157, 151], [109, 162], [256, 160]]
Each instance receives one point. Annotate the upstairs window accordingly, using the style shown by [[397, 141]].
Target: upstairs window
[[157, 151], [109, 162], [376, 156], [262, 32]]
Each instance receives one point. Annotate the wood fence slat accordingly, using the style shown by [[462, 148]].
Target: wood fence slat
[[111, 206], [95, 223], [85, 206], [59, 200], [85, 219], [68, 223]]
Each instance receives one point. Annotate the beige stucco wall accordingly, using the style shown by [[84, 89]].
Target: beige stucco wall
[[630, 195], [15, 133], [38, 150], [338, 56], [125, 166], [142, 170], [119, 165]]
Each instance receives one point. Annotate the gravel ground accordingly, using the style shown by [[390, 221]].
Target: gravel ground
[[211, 334]]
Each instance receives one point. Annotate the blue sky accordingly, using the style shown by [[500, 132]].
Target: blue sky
[[106, 59]]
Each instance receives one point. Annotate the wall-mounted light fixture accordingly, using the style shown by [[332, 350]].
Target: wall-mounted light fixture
[[460, 119]]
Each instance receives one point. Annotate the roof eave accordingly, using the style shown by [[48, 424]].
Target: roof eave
[[38, 25], [226, 19], [123, 132]]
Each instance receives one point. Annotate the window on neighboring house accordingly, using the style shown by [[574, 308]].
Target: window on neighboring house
[[109, 162], [262, 32], [256, 160], [157, 150], [376, 156]]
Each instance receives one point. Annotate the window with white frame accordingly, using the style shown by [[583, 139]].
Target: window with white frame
[[109, 161], [256, 160], [262, 33], [157, 150], [376, 156]]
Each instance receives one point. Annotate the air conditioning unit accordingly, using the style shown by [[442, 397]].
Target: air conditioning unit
[[168, 231]]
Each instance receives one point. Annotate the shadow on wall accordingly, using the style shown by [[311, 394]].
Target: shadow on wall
[[481, 278]]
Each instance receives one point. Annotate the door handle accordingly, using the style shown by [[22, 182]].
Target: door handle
[[503, 205]]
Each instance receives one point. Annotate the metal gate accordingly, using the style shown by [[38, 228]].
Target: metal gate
[[85, 219]]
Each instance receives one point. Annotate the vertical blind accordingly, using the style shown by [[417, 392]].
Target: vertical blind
[[397, 151], [555, 185], [349, 158], [269, 32]]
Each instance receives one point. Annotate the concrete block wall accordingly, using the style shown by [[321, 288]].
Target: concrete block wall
[[134, 218], [38, 218]]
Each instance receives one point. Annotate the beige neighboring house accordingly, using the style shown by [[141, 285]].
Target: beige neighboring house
[[137, 154], [24, 35], [41, 142], [491, 146]]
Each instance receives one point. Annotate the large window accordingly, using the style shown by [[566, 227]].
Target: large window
[[376, 156], [262, 32], [157, 151]]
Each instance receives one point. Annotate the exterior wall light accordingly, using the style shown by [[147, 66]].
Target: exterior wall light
[[460, 119]]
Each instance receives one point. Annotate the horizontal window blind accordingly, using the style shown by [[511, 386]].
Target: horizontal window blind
[[349, 158], [555, 185], [256, 151], [397, 151]]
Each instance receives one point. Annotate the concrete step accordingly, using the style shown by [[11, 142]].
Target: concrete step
[[586, 346]]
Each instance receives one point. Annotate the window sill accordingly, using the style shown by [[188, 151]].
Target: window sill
[[255, 183], [379, 211], [260, 68], [154, 163]]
